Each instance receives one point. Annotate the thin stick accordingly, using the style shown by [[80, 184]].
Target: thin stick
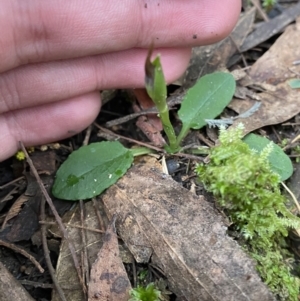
[[134, 274], [47, 254], [290, 123], [84, 259], [129, 117], [57, 217], [172, 101], [87, 135], [23, 252], [292, 195], [99, 217], [129, 139], [74, 226], [85, 264], [188, 156], [37, 284], [260, 10], [12, 182]]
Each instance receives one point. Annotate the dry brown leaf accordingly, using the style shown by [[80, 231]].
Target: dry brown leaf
[[150, 124], [65, 270], [21, 224], [280, 102], [15, 209], [188, 238], [274, 26], [109, 280]]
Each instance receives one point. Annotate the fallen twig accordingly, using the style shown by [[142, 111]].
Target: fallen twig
[[57, 217], [47, 254], [23, 252]]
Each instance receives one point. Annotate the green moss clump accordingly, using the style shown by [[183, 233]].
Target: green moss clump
[[268, 4], [244, 184], [148, 293]]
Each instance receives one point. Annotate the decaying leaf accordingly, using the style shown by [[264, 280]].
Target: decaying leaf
[[108, 279], [279, 102], [150, 124], [21, 223], [15, 209], [268, 29], [65, 270], [187, 237]]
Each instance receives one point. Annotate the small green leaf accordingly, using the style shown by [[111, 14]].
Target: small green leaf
[[91, 169], [294, 83], [280, 163], [205, 100]]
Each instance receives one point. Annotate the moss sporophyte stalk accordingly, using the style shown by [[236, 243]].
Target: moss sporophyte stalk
[[249, 191]]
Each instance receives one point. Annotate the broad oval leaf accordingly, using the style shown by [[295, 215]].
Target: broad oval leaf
[[279, 161], [91, 169], [206, 100]]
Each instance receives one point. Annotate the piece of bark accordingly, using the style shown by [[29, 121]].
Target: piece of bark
[[108, 279], [10, 289], [187, 236]]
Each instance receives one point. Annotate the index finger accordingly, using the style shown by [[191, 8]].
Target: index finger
[[38, 31]]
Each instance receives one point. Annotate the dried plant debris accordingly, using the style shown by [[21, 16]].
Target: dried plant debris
[[279, 102], [65, 270], [187, 237], [108, 279]]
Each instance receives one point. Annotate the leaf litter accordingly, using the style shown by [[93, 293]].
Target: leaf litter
[[273, 70], [108, 278]]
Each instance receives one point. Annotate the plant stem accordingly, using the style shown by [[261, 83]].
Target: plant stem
[[139, 151], [182, 135], [169, 130]]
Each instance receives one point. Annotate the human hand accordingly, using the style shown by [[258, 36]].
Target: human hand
[[56, 55]]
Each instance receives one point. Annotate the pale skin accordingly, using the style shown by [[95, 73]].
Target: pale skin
[[56, 55]]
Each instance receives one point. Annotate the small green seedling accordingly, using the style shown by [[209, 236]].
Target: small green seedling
[[205, 100], [269, 4], [148, 293], [91, 169], [157, 89]]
